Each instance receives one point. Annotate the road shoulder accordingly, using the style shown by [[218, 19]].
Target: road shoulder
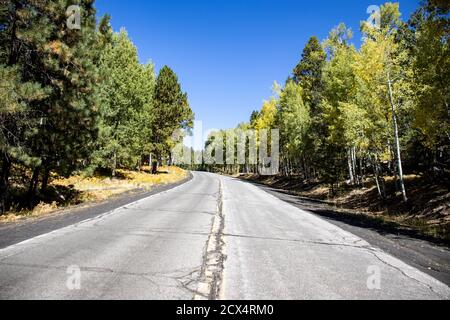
[[430, 258], [16, 232]]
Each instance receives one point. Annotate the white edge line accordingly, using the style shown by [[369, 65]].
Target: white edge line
[[103, 215]]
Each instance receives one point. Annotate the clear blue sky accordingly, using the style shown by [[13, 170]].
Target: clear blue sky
[[228, 53]]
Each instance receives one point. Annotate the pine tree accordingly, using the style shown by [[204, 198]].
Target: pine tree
[[49, 57], [65, 62], [308, 73], [172, 112]]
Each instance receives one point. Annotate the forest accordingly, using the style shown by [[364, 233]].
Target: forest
[[80, 101], [381, 110], [77, 99]]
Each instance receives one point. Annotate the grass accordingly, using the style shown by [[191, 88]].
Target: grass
[[65, 193]]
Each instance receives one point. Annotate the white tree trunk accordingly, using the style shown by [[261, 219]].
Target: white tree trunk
[[397, 142], [350, 166]]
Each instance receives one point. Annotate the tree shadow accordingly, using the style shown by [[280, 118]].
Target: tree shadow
[[61, 196], [374, 223]]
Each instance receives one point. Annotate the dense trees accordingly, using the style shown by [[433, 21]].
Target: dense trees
[[54, 71], [348, 113], [72, 99], [294, 121], [78, 99], [428, 43], [126, 111]]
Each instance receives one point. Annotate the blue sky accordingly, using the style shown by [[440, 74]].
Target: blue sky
[[227, 54]]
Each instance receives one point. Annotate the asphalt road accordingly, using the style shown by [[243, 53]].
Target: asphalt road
[[428, 255], [213, 237]]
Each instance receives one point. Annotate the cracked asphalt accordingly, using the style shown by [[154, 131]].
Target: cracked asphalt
[[278, 251], [150, 249], [212, 237]]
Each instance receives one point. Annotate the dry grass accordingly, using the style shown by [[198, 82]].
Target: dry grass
[[86, 190]]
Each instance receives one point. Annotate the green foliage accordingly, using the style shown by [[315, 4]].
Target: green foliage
[[172, 111], [126, 110], [348, 112], [56, 67], [308, 73], [16, 122], [294, 120], [429, 47], [72, 99]]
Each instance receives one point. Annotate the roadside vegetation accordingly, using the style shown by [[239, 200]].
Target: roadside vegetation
[[77, 108], [367, 128], [65, 193]]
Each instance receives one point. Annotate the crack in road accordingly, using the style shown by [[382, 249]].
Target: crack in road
[[429, 287], [152, 210], [374, 251], [92, 269], [184, 281], [151, 232], [189, 282], [209, 284], [301, 241]]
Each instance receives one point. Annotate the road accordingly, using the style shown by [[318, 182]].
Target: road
[[212, 238]]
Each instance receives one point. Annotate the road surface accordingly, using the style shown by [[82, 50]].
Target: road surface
[[211, 238]]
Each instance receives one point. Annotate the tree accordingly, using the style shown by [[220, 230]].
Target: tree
[[46, 52], [294, 120], [346, 120], [308, 73], [267, 116], [391, 78], [171, 111], [15, 121], [428, 43], [127, 108], [254, 117]]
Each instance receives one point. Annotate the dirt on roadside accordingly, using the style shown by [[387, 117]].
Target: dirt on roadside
[[427, 211]]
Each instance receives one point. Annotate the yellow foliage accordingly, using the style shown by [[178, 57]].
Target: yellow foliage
[[268, 115]]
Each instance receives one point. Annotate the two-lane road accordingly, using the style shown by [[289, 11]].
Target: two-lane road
[[157, 248]]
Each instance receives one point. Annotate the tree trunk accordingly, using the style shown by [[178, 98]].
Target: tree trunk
[[355, 175], [361, 172], [12, 60], [114, 164], [379, 181], [4, 183], [32, 189], [350, 166], [397, 142], [14, 45], [45, 179], [393, 163], [155, 164]]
